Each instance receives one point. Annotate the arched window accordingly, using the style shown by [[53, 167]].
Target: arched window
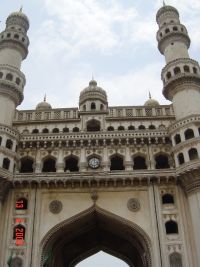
[[16, 262], [1, 75], [35, 131], [49, 165], [26, 165], [139, 163], [195, 70], [162, 162], [141, 127], [19, 232], [21, 204], [16, 36], [55, 130], [18, 81], [177, 139], [93, 126], [121, 128], [110, 128], [175, 260], [186, 68], [169, 75], [71, 164], [189, 133], [9, 144], [181, 159], [75, 130], [6, 163], [9, 77], [131, 128], [177, 70], [175, 29], [193, 154], [65, 130], [171, 227], [45, 130], [93, 106], [116, 163], [167, 199], [167, 30], [101, 107], [0, 140], [152, 127]]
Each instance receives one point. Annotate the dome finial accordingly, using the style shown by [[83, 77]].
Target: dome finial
[[45, 97], [164, 3], [149, 95], [21, 8]]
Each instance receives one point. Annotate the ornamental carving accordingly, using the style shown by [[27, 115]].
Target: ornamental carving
[[133, 204], [55, 206]]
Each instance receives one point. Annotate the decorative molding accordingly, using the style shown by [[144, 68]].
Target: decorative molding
[[133, 204], [55, 206]]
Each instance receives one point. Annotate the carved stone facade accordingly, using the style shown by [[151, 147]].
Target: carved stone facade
[[125, 180]]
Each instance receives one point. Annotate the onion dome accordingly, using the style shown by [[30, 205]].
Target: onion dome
[[43, 105], [151, 102], [166, 9], [18, 18], [93, 92]]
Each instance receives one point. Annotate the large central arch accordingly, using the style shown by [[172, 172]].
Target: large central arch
[[93, 230]]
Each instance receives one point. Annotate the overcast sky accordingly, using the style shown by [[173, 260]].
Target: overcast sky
[[114, 40]]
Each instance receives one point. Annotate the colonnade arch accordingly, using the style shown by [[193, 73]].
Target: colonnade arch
[[94, 230]]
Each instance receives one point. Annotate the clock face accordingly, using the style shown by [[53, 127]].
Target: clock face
[[94, 163]]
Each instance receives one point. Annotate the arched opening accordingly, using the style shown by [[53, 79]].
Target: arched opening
[[75, 130], [139, 163], [35, 131], [152, 127], [55, 130], [169, 75], [177, 70], [141, 127], [167, 30], [194, 70], [1, 75], [186, 68], [21, 204], [93, 126], [131, 128], [95, 230], [45, 130], [101, 107], [102, 259], [189, 133], [16, 262], [65, 130], [167, 199], [9, 77], [162, 162], [175, 260], [26, 165], [116, 163], [121, 128], [84, 107], [175, 28], [171, 227], [18, 81], [93, 106], [71, 164], [181, 159], [193, 154], [49, 165], [6, 163], [9, 144], [177, 139], [110, 128]]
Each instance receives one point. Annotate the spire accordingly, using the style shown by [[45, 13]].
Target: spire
[[149, 95]]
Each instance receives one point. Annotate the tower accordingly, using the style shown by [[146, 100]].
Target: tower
[[181, 85], [13, 49]]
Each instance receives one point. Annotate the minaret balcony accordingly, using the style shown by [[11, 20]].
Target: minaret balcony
[[15, 39]]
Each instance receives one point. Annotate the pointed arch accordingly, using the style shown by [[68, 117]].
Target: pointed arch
[[135, 248], [116, 162], [49, 164]]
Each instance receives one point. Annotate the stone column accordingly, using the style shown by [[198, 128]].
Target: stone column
[[128, 161], [83, 163], [60, 163]]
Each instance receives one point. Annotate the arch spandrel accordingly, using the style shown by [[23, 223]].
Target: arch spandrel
[[110, 228]]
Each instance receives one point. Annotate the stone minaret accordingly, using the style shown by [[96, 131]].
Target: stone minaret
[[181, 80], [13, 49]]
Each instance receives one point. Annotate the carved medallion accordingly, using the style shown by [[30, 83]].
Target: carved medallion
[[133, 204], [55, 206]]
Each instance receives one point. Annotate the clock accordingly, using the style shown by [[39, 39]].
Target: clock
[[94, 163]]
